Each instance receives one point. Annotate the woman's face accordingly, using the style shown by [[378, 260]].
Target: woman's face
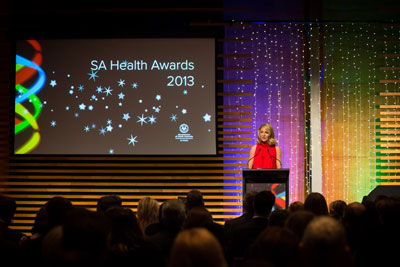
[[264, 134]]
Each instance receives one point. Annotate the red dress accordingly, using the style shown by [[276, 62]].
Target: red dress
[[264, 157]]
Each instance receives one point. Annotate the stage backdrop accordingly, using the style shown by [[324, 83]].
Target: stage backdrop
[[270, 58], [359, 102], [359, 84]]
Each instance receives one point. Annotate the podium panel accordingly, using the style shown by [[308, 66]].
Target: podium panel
[[274, 180]]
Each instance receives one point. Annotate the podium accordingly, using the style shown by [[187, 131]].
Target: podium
[[264, 179]]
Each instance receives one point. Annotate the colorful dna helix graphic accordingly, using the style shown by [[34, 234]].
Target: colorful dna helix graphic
[[26, 71]]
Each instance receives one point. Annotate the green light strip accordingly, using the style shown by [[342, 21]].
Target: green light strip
[[30, 145], [37, 104]]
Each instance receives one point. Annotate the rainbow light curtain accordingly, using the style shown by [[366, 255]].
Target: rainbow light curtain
[[274, 55]]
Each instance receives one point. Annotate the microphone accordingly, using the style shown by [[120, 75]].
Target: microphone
[[274, 156], [255, 154]]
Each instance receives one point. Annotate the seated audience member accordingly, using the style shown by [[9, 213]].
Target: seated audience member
[[194, 198], [359, 234], [172, 218], [245, 217], [200, 217], [108, 201], [276, 245], [9, 238], [298, 221], [196, 247], [80, 241], [388, 209], [371, 213], [354, 217], [51, 215], [296, 206], [244, 235], [379, 197], [316, 203], [126, 242], [147, 212], [324, 244], [336, 209], [155, 227], [278, 217]]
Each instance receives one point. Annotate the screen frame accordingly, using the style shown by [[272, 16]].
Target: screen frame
[[13, 52]]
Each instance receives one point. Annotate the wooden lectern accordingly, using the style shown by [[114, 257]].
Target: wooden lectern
[[258, 179]]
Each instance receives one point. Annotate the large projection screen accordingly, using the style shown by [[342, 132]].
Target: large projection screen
[[115, 96]]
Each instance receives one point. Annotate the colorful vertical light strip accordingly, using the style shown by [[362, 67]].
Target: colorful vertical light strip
[[276, 91], [349, 102], [358, 63], [25, 73]]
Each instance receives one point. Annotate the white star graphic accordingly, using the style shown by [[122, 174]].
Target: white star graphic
[[152, 119], [53, 123], [121, 82], [207, 117], [82, 106], [126, 116], [108, 91], [53, 83], [102, 131], [173, 117], [132, 140], [158, 97], [142, 120], [93, 75], [121, 95]]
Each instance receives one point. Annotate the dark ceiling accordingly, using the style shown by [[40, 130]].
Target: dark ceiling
[[126, 18]]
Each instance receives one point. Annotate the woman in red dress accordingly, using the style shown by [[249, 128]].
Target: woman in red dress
[[266, 154]]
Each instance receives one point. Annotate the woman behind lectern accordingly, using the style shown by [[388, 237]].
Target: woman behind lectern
[[266, 154]]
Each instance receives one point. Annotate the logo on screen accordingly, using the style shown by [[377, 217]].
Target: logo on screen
[[184, 128], [184, 136]]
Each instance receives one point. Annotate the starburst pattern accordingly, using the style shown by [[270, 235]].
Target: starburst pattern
[[132, 140], [93, 75], [142, 120]]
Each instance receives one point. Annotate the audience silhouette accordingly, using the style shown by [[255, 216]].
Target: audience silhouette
[[324, 244], [9, 238], [276, 245], [172, 218], [147, 213], [182, 232], [336, 209], [108, 201], [197, 247], [316, 203], [245, 234]]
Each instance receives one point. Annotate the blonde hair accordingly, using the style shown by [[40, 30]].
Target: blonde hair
[[271, 140], [147, 212], [197, 247]]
